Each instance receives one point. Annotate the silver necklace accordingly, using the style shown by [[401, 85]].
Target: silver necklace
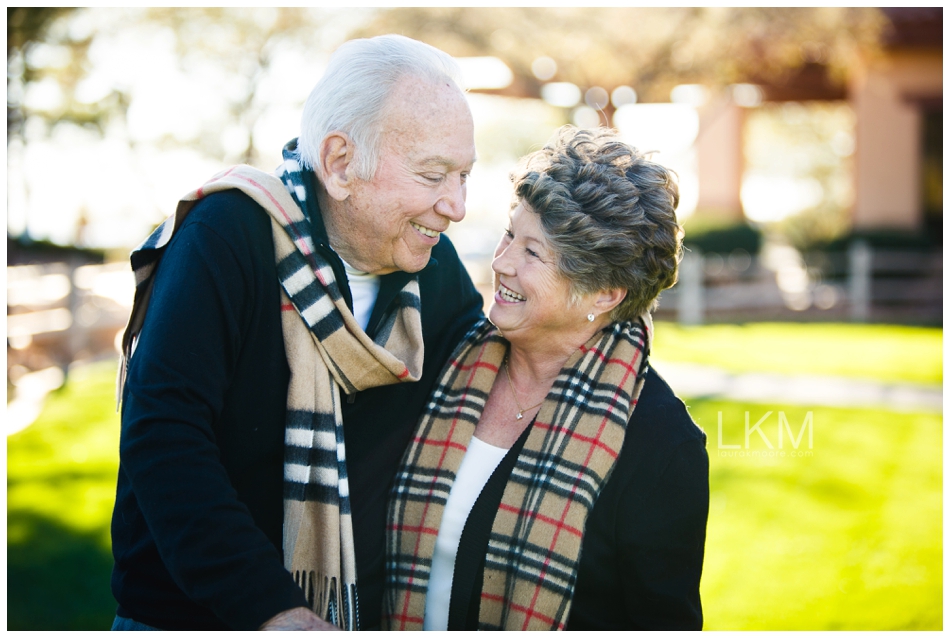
[[514, 395]]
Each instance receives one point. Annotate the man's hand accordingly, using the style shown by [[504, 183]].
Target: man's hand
[[297, 619]]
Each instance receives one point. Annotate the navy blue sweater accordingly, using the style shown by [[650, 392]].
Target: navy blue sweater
[[643, 547], [197, 526]]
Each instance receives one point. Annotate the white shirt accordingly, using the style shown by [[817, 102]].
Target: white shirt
[[479, 462], [364, 288]]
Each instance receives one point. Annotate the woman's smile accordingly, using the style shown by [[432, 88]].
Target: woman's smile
[[509, 295]]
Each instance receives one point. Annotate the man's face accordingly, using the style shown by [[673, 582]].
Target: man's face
[[392, 221]]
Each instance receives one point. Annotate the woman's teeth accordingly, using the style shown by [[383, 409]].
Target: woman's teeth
[[510, 295], [428, 232]]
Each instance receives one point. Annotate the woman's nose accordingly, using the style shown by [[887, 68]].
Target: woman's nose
[[502, 264]]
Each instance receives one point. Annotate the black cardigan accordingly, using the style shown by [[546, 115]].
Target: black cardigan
[[642, 550], [197, 525]]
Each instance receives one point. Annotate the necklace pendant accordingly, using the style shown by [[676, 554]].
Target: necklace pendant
[[520, 416]]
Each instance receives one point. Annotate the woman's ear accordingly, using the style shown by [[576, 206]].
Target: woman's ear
[[607, 300], [336, 164]]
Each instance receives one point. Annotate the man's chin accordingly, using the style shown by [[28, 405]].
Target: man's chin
[[415, 263]]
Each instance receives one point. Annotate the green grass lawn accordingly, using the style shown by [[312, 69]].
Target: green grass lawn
[[845, 535], [881, 353], [61, 474]]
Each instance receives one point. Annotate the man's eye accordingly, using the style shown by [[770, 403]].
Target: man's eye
[[435, 178], [465, 177]]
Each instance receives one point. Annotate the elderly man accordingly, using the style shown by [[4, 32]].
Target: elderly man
[[274, 364]]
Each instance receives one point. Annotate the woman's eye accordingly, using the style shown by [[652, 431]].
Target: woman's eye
[[532, 253], [509, 234]]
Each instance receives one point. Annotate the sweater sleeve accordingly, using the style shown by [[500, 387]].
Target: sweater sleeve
[[468, 302], [178, 378], [661, 541]]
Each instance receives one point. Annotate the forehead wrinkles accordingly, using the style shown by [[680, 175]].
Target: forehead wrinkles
[[531, 232], [414, 103], [422, 120]]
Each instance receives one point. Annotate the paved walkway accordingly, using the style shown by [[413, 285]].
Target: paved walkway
[[698, 381], [28, 397]]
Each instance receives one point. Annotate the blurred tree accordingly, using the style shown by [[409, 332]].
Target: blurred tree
[[241, 45], [650, 49], [46, 61], [111, 74], [817, 144], [47, 56], [50, 46], [243, 57]]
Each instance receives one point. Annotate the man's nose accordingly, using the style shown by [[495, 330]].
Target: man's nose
[[452, 202]]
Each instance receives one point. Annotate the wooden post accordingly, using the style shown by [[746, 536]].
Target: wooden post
[[690, 306], [859, 280]]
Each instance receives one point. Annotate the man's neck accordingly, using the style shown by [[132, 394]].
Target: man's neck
[[334, 217], [327, 213]]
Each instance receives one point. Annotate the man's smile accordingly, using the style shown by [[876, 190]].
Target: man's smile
[[428, 232]]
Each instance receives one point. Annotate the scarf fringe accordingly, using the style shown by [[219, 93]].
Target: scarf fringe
[[320, 591], [325, 600]]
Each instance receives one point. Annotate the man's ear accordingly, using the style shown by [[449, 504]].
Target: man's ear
[[336, 164]]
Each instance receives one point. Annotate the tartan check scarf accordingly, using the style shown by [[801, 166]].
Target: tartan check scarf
[[535, 541], [327, 352]]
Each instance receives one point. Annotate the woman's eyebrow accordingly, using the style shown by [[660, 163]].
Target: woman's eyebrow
[[535, 240]]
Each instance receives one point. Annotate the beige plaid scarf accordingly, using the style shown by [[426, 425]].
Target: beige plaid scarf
[[531, 566], [327, 352]]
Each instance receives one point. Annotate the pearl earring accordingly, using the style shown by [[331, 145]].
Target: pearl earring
[[590, 317]]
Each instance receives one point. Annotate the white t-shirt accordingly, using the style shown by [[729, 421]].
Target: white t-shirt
[[365, 288], [479, 462]]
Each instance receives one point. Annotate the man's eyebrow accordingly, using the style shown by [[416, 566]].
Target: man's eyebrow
[[438, 160]]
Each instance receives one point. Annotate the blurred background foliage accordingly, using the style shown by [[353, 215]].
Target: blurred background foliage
[[815, 146], [655, 49], [240, 76], [51, 48]]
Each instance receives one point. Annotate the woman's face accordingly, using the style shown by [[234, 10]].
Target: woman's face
[[532, 299]]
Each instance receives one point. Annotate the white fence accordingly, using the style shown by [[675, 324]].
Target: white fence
[[862, 284], [59, 312]]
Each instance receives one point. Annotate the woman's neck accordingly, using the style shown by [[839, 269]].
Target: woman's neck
[[532, 368], [541, 362]]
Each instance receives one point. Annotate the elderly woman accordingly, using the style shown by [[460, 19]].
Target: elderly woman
[[554, 480]]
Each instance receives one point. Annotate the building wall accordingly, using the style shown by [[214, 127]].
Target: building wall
[[719, 158], [885, 96]]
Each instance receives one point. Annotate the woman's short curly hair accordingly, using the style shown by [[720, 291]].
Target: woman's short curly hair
[[608, 212]]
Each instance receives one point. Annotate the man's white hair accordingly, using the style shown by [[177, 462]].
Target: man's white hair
[[351, 96]]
